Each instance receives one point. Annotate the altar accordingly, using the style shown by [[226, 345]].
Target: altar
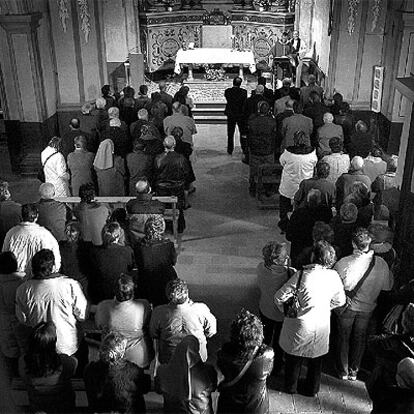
[[223, 56]]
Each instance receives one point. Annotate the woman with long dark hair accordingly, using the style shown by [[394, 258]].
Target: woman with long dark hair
[[46, 373]]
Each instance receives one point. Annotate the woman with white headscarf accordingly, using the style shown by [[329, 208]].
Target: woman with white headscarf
[[110, 170], [187, 382], [54, 167]]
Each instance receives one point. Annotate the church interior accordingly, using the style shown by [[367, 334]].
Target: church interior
[[55, 56]]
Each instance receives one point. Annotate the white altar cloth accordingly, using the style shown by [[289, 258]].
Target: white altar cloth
[[214, 56]]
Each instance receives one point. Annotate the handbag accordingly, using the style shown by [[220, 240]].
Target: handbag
[[235, 380], [291, 306], [352, 293], [41, 173]]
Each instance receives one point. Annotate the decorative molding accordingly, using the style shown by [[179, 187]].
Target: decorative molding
[[352, 13], [376, 11], [63, 13], [85, 18]]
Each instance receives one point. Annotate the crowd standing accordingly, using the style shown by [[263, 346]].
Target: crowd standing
[[61, 267]]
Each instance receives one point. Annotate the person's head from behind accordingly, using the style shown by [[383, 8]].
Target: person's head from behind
[[73, 231], [142, 186], [106, 90], [43, 263], [237, 81], [129, 92], [4, 191], [112, 349], [184, 110], [314, 97], [74, 123], [286, 83], [177, 132], [80, 142], [154, 228], [111, 233], [113, 112], [100, 103], [336, 145], [361, 126], [405, 374], [322, 169], [124, 288], [275, 253], [300, 139], [261, 80], [177, 292], [259, 90], [360, 192], [376, 152], [328, 118], [138, 145], [55, 143], [392, 164], [86, 108], [311, 79], [297, 107], [380, 233], [143, 89], [348, 213], [344, 108], [322, 231], [246, 333], [8, 263], [142, 114], [357, 163], [361, 240], [263, 108], [87, 193], [46, 191], [176, 107], [169, 143], [314, 198], [41, 358], [323, 254], [30, 213]]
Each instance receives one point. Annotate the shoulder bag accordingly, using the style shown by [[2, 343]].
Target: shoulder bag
[[235, 380], [41, 173], [352, 293], [291, 306]]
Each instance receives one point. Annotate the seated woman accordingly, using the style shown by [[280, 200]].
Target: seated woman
[[130, 317], [107, 262], [10, 280], [272, 273], [245, 363], [92, 216], [305, 337], [114, 384], [187, 382], [46, 373], [74, 255], [155, 256]]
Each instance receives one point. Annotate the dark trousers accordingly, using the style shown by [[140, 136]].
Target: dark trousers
[[285, 206], [293, 364], [231, 127], [352, 335], [82, 356], [271, 333]]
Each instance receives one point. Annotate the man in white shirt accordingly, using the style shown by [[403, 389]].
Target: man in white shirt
[[180, 317], [353, 322], [27, 238], [50, 296]]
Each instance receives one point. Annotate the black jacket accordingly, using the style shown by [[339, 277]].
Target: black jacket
[[236, 98]]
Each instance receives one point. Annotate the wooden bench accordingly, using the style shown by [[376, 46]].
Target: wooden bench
[[171, 213], [268, 174]]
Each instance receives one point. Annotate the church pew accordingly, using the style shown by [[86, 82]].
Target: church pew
[[171, 213]]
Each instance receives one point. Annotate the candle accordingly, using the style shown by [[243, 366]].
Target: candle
[[233, 38]]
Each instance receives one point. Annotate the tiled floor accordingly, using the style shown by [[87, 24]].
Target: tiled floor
[[219, 253]]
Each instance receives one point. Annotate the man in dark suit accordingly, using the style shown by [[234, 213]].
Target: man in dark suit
[[68, 144], [236, 98]]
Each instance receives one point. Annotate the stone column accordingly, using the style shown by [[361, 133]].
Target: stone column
[[27, 101]]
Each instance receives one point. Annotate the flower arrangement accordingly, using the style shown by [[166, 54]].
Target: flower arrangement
[[213, 73]]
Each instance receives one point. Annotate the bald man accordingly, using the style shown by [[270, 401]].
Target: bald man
[[345, 181], [68, 144], [327, 131], [52, 214]]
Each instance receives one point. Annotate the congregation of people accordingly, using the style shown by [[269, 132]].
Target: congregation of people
[[333, 290]]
